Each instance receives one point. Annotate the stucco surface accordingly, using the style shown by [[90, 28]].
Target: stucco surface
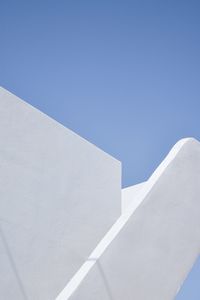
[[131, 197], [156, 248], [59, 196]]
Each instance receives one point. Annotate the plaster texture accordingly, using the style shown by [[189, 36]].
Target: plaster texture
[[59, 196], [131, 197], [156, 247]]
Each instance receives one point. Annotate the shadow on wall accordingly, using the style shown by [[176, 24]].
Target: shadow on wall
[[13, 265], [103, 276]]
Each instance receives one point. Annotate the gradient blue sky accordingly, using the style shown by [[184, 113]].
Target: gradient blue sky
[[123, 74]]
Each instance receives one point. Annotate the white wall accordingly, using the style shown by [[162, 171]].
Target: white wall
[[59, 195], [154, 251], [131, 197]]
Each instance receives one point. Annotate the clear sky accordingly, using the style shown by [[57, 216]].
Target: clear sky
[[123, 74]]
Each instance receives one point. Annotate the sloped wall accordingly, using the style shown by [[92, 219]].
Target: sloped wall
[[155, 250], [59, 195]]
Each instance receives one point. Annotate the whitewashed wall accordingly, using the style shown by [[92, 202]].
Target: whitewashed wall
[[59, 195], [154, 251]]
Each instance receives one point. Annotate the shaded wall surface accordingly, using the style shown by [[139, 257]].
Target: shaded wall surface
[[59, 195], [153, 253]]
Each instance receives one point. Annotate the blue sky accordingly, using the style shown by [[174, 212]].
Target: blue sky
[[123, 74]]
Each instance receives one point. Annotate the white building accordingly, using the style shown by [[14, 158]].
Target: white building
[[63, 234]]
